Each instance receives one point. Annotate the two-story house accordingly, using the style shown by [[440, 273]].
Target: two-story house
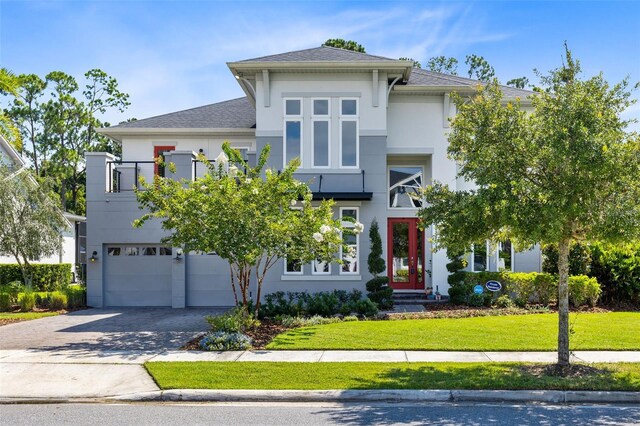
[[369, 132]]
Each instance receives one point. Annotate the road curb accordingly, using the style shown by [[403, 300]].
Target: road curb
[[438, 395]]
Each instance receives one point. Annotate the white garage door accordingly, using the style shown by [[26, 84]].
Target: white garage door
[[137, 275]]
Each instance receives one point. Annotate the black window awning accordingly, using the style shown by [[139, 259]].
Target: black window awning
[[343, 196]]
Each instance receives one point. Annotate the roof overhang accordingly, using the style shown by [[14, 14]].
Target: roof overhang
[[461, 90], [116, 133]]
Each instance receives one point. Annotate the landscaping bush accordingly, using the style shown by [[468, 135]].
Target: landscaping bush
[[238, 320], [546, 288], [366, 307], [579, 259], [583, 290], [327, 303], [57, 301], [5, 302], [225, 341], [27, 301], [504, 302], [380, 292], [12, 289], [617, 269], [46, 277], [76, 296]]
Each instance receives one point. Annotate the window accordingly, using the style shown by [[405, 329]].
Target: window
[[159, 151], [349, 133], [320, 140], [321, 268], [293, 267], [149, 251], [404, 187], [292, 130], [131, 251], [113, 251], [349, 253], [479, 257], [505, 256], [165, 251]]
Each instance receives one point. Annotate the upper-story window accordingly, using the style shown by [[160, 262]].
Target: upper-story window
[[349, 133], [320, 136], [292, 130], [405, 183]]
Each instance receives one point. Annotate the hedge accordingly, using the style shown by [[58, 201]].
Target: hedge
[[46, 277], [523, 288]]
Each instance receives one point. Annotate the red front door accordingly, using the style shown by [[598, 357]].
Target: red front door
[[405, 254]]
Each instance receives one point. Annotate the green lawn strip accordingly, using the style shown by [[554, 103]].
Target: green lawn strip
[[22, 316], [536, 332], [379, 375]]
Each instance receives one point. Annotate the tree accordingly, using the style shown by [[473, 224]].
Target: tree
[[444, 65], [246, 219], [520, 82], [9, 84], [375, 260], [30, 221], [567, 171], [344, 44], [416, 64], [479, 68]]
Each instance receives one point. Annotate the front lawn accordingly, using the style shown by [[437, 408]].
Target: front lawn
[[378, 375], [11, 317], [536, 332]]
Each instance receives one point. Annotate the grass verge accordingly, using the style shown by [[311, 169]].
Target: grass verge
[[536, 332], [10, 317], [378, 375]]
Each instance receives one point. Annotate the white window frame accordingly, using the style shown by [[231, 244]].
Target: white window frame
[[349, 224], [498, 250], [313, 269], [356, 119], [327, 119], [389, 167], [286, 118], [284, 265]]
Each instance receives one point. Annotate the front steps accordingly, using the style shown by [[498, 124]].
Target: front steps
[[415, 298]]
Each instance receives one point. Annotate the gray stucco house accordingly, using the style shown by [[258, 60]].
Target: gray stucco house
[[369, 131]]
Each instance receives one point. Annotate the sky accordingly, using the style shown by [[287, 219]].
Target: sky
[[171, 55]]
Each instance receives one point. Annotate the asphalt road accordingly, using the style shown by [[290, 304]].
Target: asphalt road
[[304, 414]]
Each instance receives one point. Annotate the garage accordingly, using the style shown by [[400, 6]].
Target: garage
[[137, 275]]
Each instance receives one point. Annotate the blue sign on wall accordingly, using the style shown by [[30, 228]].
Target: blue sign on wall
[[493, 286], [478, 289]]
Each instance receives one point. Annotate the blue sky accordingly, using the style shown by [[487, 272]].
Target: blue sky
[[170, 55]]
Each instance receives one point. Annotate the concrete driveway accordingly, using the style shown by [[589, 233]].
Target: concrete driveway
[[91, 353]]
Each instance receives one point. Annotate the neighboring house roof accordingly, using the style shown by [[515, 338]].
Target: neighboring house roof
[[233, 114], [426, 78], [320, 54]]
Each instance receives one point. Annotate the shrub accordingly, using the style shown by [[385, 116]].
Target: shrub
[[617, 269], [375, 260], [521, 286], [380, 293], [57, 301], [46, 277], [27, 301], [12, 289], [225, 341], [503, 302], [366, 307], [76, 296], [546, 288], [328, 303], [293, 322], [5, 302], [238, 320], [583, 290]]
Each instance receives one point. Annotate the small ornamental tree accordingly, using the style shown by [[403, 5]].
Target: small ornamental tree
[[566, 171], [377, 287], [246, 218], [30, 221]]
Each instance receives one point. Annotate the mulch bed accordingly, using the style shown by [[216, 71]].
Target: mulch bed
[[261, 335], [572, 371], [453, 311]]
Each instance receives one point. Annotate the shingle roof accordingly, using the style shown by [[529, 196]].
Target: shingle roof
[[232, 114], [320, 54], [420, 77]]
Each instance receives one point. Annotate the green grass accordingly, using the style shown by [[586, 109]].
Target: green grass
[[374, 375], [535, 332], [24, 316]]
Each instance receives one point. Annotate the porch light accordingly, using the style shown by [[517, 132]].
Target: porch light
[[94, 256], [178, 257]]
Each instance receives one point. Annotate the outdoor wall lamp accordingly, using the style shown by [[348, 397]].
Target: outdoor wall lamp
[[94, 256], [178, 255]]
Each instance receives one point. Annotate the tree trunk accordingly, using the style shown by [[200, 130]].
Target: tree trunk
[[563, 303]]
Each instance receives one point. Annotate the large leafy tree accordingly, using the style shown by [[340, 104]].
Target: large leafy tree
[[9, 85], [341, 43], [443, 64], [248, 219], [566, 171], [479, 68], [30, 220]]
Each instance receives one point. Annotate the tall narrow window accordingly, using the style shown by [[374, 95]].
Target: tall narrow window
[[159, 151], [349, 133], [350, 251], [479, 257], [292, 130], [293, 266], [320, 132]]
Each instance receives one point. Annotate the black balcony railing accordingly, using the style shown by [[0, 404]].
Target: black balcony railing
[[123, 178]]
